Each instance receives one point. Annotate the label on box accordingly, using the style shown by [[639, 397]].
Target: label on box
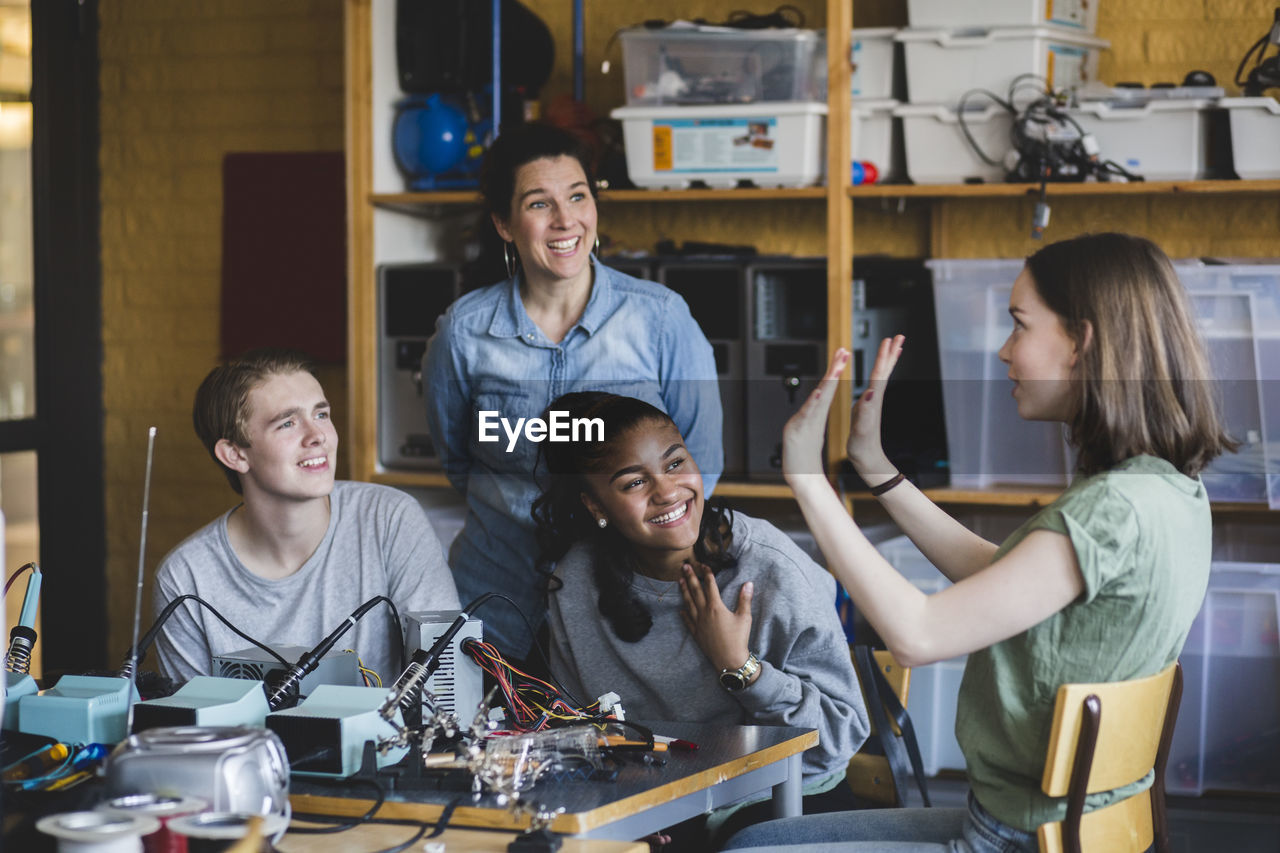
[[1066, 66], [1072, 13], [715, 145]]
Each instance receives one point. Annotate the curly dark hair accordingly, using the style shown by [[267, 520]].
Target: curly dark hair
[[563, 520]]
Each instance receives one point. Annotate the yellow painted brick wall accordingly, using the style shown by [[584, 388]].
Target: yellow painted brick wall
[[182, 84]]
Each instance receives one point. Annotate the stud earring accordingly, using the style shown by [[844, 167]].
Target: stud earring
[[602, 523], [509, 255]]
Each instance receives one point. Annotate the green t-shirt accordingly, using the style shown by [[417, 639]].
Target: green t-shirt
[[1142, 535]]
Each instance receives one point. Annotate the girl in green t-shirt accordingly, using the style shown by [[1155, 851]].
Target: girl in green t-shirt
[[1104, 343]]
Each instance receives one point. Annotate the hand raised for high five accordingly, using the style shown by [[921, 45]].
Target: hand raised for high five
[[864, 446], [802, 436]]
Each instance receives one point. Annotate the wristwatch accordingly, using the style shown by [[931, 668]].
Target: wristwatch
[[734, 680]]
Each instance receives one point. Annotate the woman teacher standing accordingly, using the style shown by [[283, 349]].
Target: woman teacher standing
[[561, 322]]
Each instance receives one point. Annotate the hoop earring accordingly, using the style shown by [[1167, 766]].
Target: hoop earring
[[509, 255], [597, 247]]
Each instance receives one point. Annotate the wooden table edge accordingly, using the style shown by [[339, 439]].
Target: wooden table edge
[[566, 824]]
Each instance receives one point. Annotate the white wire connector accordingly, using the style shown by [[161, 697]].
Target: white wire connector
[[611, 703]]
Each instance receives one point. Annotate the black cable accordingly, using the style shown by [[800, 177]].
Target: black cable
[[964, 127], [1260, 43], [343, 824], [144, 645]]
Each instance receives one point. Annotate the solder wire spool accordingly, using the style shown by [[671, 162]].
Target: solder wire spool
[[212, 832], [164, 810], [98, 832]]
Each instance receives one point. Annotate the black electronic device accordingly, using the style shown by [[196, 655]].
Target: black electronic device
[[446, 47], [1265, 74], [411, 297], [713, 290], [786, 352]]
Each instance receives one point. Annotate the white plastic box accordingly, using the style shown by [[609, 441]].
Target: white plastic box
[[1080, 14], [935, 688], [871, 50], [1228, 731], [987, 442], [771, 145], [1161, 140], [871, 136], [721, 65], [942, 65], [1255, 136], [938, 152]]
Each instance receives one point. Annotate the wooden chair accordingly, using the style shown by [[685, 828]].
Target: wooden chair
[[868, 775], [1105, 736]]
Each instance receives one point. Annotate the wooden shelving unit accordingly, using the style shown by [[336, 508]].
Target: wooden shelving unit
[[378, 213]]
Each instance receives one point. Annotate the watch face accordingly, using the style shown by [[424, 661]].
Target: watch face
[[731, 681]]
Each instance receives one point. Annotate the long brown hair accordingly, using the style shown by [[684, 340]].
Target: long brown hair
[[1145, 385]]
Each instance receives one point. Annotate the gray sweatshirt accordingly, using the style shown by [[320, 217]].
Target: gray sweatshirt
[[806, 676]]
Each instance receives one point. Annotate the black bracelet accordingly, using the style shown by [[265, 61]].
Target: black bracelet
[[879, 490]]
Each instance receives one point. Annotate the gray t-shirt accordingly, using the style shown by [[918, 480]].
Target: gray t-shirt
[[379, 542], [806, 677]]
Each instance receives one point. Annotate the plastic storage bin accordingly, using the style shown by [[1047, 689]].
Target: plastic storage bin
[[937, 151], [722, 65], [987, 442], [1238, 313], [1080, 14], [771, 145], [871, 136], [872, 56], [1255, 136], [934, 688], [1228, 731], [942, 65], [1161, 140]]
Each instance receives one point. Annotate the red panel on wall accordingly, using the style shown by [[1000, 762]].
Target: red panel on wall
[[284, 253]]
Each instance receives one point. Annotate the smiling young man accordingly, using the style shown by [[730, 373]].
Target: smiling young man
[[301, 552]]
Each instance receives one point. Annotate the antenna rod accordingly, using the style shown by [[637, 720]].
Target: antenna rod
[[142, 554]]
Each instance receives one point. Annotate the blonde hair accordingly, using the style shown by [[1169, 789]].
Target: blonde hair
[[1145, 385]]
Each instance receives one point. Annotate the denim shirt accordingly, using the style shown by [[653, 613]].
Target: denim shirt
[[635, 338]]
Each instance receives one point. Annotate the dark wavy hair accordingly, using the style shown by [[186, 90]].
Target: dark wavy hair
[[1145, 385], [563, 520]]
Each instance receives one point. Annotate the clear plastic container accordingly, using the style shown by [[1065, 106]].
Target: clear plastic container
[[987, 442], [691, 64], [935, 688], [1228, 731], [1238, 313]]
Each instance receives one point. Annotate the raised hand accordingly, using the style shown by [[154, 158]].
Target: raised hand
[[723, 635], [803, 434], [864, 446]]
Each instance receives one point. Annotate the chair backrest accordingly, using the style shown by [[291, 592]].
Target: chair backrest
[[1105, 736], [868, 775]]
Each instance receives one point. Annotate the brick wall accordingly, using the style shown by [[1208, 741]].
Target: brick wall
[[182, 84]]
